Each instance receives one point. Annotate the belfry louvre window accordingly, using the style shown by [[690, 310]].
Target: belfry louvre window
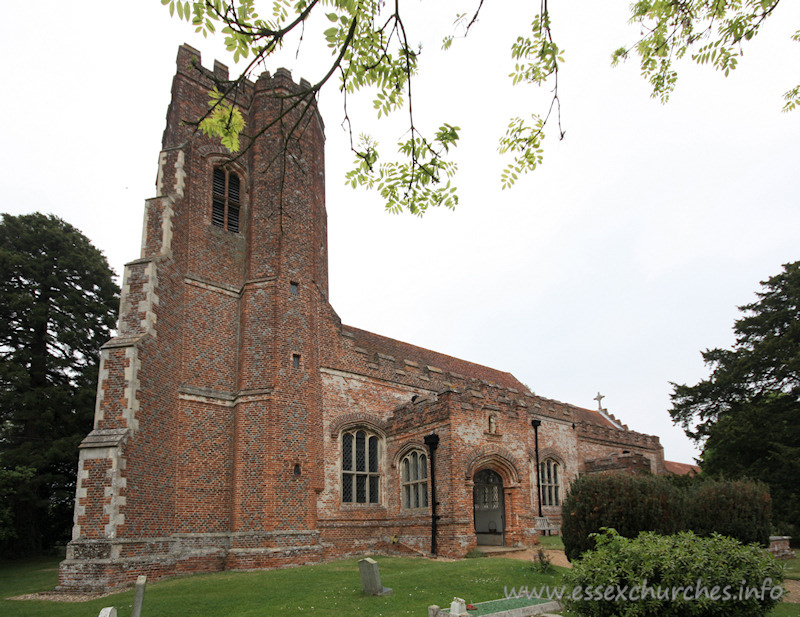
[[414, 480], [226, 200], [550, 480], [360, 458]]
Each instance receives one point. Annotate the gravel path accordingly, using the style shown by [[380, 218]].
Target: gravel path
[[557, 558], [793, 587]]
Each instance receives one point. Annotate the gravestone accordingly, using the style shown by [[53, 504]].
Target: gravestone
[[108, 611], [371, 578], [138, 596]]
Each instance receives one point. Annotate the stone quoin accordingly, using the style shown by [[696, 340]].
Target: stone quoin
[[239, 424]]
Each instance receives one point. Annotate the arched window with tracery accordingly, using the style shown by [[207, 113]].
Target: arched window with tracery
[[550, 481], [414, 480], [361, 450]]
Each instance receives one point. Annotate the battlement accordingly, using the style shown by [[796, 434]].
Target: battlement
[[393, 360], [632, 463], [190, 65], [193, 82], [614, 435]]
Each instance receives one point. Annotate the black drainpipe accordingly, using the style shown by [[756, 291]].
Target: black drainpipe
[[536, 424], [432, 441]]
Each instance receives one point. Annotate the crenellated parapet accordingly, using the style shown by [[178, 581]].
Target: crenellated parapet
[[628, 463], [383, 358], [615, 436], [421, 411], [190, 95]]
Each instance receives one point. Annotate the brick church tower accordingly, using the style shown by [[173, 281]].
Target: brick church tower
[[209, 397]]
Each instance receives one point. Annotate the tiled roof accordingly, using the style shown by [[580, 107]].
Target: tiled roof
[[592, 416], [377, 344], [681, 469]]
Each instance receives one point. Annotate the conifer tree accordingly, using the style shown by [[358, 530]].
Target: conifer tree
[[58, 303], [747, 413]]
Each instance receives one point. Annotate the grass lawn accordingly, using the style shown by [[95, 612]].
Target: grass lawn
[[793, 568], [785, 610], [325, 590], [332, 589], [551, 542]]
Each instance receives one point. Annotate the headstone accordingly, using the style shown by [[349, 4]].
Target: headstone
[[108, 611], [433, 611], [138, 596], [458, 607], [370, 578]]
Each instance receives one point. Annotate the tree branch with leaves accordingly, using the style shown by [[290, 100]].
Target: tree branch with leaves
[[372, 49]]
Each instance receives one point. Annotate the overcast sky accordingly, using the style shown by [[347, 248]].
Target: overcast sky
[[609, 269]]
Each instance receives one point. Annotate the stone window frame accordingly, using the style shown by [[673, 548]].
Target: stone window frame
[[351, 476], [551, 474], [414, 480]]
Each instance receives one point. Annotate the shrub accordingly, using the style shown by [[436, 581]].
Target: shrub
[[739, 509], [682, 575], [663, 504], [629, 504]]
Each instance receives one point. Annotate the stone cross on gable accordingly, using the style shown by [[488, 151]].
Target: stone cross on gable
[[599, 398]]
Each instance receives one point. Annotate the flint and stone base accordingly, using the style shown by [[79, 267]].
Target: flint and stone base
[[99, 565]]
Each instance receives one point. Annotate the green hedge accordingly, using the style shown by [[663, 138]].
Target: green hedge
[[739, 509], [682, 575], [632, 504], [629, 504]]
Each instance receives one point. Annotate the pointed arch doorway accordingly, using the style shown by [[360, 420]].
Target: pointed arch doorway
[[489, 508]]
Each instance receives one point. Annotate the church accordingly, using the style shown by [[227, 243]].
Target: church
[[239, 424]]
